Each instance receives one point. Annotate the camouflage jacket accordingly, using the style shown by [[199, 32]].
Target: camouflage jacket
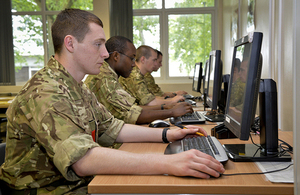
[[110, 93], [152, 86], [135, 85], [49, 128]]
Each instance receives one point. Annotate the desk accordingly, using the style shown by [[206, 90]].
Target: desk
[[162, 184], [5, 101]]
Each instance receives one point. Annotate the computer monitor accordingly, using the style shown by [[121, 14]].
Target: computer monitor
[[197, 78], [205, 83], [214, 79], [242, 99], [224, 92], [213, 83]]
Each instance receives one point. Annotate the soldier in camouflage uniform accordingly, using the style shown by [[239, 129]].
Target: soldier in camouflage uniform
[[49, 146], [110, 93], [153, 87], [146, 60]]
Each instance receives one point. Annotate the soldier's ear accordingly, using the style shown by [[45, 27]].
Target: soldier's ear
[[115, 56], [142, 59], [69, 42]]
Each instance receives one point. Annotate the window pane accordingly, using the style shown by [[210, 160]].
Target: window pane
[[188, 3], [54, 5], [147, 4], [23, 6], [28, 46], [189, 42], [146, 31]]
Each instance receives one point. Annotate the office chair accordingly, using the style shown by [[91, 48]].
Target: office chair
[[2, 157]]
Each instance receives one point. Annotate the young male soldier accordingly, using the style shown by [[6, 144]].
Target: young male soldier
[[146, 60], [110, 93], [49, 148], [153, 87]]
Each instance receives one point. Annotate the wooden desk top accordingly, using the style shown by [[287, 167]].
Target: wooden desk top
[[160, 184], [5, 101]]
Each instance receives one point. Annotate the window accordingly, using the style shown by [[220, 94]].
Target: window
[[183, 30], [32, 21]]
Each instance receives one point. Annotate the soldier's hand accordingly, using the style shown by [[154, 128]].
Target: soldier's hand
[[178, 98], [193, 163], [169, 106], [181, 92], [182, 108]]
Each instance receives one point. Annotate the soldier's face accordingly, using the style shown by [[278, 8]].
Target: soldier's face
[[151, 62], [126, 64], [91, 52], [159, 63]]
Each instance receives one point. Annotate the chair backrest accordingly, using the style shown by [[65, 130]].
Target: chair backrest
[[2, 152]]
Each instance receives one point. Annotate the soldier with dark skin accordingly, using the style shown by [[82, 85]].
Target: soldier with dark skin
[[49, 146], [110, 93]]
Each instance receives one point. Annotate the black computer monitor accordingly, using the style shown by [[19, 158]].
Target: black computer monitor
[[214, 79], [224, 92], [242, 99], [197, 78], [213, 83], [205, 83]]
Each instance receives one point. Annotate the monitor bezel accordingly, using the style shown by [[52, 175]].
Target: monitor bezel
[[198, 88], [217, 82], [242, 130]]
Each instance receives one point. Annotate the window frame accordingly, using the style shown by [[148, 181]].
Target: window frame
[[44, 13], [163, 14]]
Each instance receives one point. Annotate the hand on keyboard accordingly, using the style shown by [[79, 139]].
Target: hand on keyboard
[[178, 134], [182, 108], [194, 163]]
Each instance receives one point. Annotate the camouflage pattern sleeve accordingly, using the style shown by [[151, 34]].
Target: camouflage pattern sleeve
[[152, 86], [136, 86], [110, 93]]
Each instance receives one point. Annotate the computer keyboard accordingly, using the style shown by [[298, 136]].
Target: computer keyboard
[[188, 96], [193, 103], [189, 118], [215, 117], [209, 145]]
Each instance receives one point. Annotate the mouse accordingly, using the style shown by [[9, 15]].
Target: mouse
[[159, 123]]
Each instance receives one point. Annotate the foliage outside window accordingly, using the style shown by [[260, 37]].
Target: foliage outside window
[[185, 27], [32, 21]]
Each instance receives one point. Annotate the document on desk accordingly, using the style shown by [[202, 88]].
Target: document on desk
[[285, 176]]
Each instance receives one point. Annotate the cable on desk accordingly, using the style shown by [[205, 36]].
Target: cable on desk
[[257, 173], [284, 148]]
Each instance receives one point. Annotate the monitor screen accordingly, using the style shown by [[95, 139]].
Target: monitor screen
[[197, 78], [213, 79], [244, 85]]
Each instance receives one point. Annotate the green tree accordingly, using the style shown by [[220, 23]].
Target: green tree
[[189, 35], [142, 24], [190, 39], [31, 24]]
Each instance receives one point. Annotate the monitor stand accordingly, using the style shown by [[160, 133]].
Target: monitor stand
[[214, 116], [268, 113], [252, 153]]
